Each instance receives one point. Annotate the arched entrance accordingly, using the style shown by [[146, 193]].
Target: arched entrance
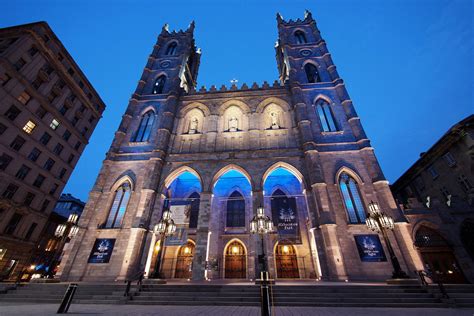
[[467, 236], [235, 261], [184, 261], [286, 261], [438, 255]]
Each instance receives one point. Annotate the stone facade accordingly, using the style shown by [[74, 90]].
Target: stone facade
[[48, 111], [300, 136], [436, 195]]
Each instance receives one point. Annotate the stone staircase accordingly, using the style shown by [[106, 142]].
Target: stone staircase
[[340, 295]]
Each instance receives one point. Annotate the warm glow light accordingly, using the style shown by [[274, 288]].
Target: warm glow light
[[157, 247], [235, 250], [32, 267], [187, 250], [29, 127], [286, 249]]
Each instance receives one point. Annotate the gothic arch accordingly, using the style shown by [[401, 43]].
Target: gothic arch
[[283, 241], [178, 249], [429, 224], [293, 170], [227, 168], [350, 172], [179, 171], [242, 105], [185, 123], [323, 97], [237, 240], [127, 176], [262, 105], [146, 109], [194, 105]]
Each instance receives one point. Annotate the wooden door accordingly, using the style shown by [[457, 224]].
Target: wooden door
[[444, 262], [286, 262], [235, 261], [184, 262]]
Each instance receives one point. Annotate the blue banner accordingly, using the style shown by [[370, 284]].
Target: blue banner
[[102, 250], [370, 248]]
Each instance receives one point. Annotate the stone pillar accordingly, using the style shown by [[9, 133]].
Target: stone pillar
[[337, 270], [199, 259]]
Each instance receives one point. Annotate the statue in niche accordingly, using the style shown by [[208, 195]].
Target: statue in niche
[[233, 124], [274, 118], [193, 125]]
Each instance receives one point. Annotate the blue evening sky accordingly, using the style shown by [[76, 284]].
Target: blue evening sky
[[407, 64]]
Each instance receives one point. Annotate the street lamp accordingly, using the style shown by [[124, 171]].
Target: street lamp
[[262, 225], [165, 227], [380, 223]]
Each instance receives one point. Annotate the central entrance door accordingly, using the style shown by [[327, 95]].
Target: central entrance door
[[235, 261], [184, 261], [286, 261]]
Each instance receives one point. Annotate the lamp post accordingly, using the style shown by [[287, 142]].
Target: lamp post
[[380, 223], [165, 227], [262, 225], [64, 231]]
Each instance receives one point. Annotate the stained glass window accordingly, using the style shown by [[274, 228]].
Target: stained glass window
[[352, 200], [119, 206], [144, 130]]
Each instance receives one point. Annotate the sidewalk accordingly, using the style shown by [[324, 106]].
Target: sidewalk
[[138, 310]]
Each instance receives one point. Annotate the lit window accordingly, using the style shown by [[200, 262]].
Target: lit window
[[352, 199], [323, 110], [24, 97], [29, 127], [119, 206], [54, 124]]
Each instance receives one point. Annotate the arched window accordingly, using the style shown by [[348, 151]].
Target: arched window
[[235, 210], [194, 213], [352, 200], [119, 206], [171, 49], [300, 37], [312, 73], [159, 85], [143, 132], [326, 118]]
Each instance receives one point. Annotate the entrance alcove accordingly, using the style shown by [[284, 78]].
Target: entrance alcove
[[235, 260]]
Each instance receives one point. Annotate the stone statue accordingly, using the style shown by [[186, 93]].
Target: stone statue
[[193, 126], [233, 124], [274, 117]]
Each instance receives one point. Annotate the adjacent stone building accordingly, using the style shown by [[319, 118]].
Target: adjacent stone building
[[48, 111], [437, 196], [295, 147]]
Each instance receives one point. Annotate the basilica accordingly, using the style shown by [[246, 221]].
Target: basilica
[[210, 157]]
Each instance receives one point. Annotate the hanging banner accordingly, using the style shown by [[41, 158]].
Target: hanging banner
[[102, 250], [180, 213], [179, 238], [285, 218], [370, 248]]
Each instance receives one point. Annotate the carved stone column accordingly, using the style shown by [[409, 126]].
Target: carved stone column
[[200, 251]]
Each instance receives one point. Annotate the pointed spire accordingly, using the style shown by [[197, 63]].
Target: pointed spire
[[308, 15], [191, 27], [279, 18], [165, 28]]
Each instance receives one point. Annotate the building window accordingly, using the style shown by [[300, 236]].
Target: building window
[[29, 199], [54, 124], [17, 143], [13, 223], [171, 50], [37, 83], [3, 128], [82, 108], [45, 138], [449, 158], [29, 127], [12, 113], [159, 85], [4, 79], [58, 149], [84, 131], [5, 161], [10, 191], [119, 206], [31, 231], [70, 158], [434, 174], [19, 64], [54, 188], [64, 109], [74, 120], [41, 111], [34, 154], [194, 212], [465, 184], [24, 97], [70, 71], [144, 130], [39, 181], [48, 69], [352, 199], [312, 73], [91, 119], [323, 110], [62, 173], [49, 164], [66, 135], [32, 51], [44, 206], [22, 172], [235, 210], [300, 37], [78, 144]]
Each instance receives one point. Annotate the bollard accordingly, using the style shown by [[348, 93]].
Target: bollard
[[67, 299]]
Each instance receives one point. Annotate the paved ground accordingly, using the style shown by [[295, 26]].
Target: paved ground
[[116, 310]]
